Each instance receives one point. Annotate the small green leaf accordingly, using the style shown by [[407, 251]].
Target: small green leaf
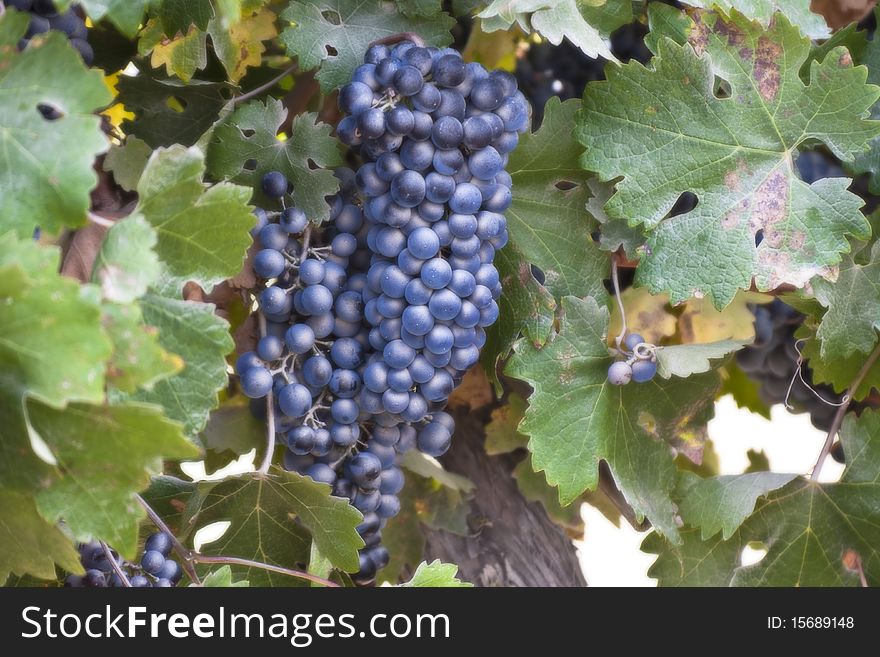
[[222, 577], [126, 15], [723, 503], [128, 161], [127, 265], [249, 135], [168, 496], [436, 575], [262, 509], [233, 427], [853, 303], [201, 338], [38, 186], [686, 359], [178, 15], [106, 455], [30, 544], [349, 26], [202, 231]]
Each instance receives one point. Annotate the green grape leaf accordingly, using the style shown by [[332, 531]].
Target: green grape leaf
[[348, 26], [262, 509], [546, 220], [107, 455], [38, 187], [559, 19], [721, 504], [53, 349], [745, 391], [427, 467], [222, 577], [797, 11], [686, 359], [812, 531], [199, 337], [853, 303], [614, 233], [126, 264], [178, 15], [836, 371], [502, 431], [245, 146], [138, 359], [735, 156], [126, 15], [202, 231], [168, 111], [425, 8], [30, 544], [436, 575], [127, 162], [547, 181], [576, 418]]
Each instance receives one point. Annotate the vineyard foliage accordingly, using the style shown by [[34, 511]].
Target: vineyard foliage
[[127, 282]]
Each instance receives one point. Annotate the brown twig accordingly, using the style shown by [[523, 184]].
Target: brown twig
[[265, 87], [115, 566], [186, 557], [235, 561], [841, 412]]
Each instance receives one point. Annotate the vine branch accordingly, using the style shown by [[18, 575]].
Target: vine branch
[[115, 566], [841, 412], [266, 86], [236, 561]]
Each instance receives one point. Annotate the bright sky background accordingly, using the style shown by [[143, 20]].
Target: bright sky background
[[610, 556]]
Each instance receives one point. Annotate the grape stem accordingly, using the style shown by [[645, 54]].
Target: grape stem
[[100, 221], [270, 413], [841, 412], [615, 281], [115, 566], [236, 561], [185, 555], [265, 87]]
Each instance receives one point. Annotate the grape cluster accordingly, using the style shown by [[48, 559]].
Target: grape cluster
[[773, 361], [45, 17], [640, 364], [154, 570], [372, 320]]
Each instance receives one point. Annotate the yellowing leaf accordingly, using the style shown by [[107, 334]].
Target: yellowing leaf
[[646, 314], [701, 322], [241, 44]]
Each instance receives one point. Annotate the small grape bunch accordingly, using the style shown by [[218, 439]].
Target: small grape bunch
[[154, 570], [640, 364]]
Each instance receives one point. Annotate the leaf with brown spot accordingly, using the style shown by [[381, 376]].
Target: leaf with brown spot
[[660, 137]]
